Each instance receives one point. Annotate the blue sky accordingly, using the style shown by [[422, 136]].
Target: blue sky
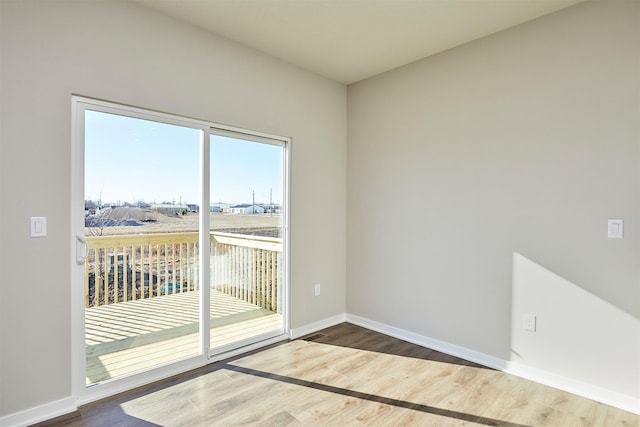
[[127, 160]]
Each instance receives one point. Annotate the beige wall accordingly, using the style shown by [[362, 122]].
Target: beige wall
[[480, 181], [119, 51]]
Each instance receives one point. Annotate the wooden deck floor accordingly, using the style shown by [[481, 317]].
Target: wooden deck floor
[[123, 338]]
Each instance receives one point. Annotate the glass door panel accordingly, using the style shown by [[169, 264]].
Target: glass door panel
[[247, 190], [141, 203]]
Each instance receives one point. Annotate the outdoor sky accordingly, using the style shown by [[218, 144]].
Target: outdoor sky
[[130, 160]]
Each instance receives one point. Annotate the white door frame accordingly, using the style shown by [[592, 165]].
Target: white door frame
[[83, 394]]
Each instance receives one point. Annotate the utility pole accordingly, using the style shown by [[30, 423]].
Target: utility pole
[[254, 201], [271, 201]]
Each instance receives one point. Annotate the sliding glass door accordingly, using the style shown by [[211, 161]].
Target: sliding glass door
[[155, 198], [142, 287], [247, 230]]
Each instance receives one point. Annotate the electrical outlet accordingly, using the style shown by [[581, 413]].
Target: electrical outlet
[[529, 323], [316, 288]]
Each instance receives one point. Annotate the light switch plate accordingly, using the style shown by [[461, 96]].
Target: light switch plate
[[614, 227], [38, 226], [529, 322]]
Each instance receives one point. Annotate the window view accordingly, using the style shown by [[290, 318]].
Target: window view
[[247, 187], [143, 284], [141, 225]]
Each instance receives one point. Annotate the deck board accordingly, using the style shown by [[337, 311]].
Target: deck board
[[123, 338]]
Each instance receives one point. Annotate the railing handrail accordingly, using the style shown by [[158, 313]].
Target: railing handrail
[[101, 242], [244, 240], [248, 241]]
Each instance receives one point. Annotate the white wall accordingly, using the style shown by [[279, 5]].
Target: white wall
[[122, 52], [480, 181]]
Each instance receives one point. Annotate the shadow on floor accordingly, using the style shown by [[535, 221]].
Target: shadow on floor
[[359, 338], [108, 411]]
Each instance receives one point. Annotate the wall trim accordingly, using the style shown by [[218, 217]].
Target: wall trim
[[589, 391], [40, 413], [432, 343], [295, 333]]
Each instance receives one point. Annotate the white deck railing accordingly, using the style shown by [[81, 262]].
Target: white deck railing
[[132, 267]]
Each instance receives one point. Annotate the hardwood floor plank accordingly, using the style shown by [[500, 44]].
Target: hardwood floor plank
[[347, 376]]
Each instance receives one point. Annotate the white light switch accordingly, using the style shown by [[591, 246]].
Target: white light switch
[[38, 226], [615, 228], [529, 322]]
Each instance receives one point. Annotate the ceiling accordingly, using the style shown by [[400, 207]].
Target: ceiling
[[350, 40]]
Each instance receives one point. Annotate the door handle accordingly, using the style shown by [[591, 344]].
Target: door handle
[[82, 249]]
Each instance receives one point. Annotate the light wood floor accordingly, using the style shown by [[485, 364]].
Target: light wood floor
[[131, 336], [346, 376]]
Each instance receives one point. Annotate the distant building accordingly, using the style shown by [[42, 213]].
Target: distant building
[[272, 209], [247, 209], [95, 211], [220, 207]]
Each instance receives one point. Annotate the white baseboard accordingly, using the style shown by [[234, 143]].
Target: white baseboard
[[39, 413], [432, 343], [608, 397], [316, 326], [621, 401]]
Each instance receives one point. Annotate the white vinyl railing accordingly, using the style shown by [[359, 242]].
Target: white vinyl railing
[[133, 267]]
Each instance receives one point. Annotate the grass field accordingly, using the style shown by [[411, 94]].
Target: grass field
[[154, 222]]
